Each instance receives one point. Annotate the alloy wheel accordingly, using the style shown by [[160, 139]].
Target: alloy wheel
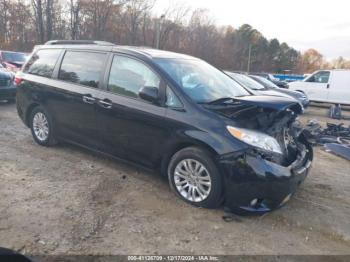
[[41, 126], [192, 180]]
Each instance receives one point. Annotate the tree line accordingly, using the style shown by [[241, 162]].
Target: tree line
[[25, 23]]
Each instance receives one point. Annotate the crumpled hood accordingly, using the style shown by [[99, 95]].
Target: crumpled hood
[[258, 112], [278, 103]]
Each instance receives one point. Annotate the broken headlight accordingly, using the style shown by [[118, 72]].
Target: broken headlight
[[256, 139]]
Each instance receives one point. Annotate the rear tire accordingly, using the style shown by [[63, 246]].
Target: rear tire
[[194, 178], [41, 126]]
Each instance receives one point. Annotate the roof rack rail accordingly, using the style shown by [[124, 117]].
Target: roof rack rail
[[77, 42]]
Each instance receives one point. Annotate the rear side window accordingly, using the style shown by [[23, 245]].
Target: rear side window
[[43, 62], [82, 68]]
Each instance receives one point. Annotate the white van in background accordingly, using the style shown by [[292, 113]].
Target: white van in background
[[330, 86]]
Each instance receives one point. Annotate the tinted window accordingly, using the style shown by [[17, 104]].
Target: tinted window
[[82, 67], [319, 77], [128, 76], [42, 62]]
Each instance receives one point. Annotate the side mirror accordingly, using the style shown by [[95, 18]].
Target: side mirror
[[149, 93]]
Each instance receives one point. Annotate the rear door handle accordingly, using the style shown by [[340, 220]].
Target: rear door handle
[[89, 99], [105, 103]]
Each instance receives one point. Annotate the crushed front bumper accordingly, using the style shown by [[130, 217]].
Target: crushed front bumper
[[256, 185]]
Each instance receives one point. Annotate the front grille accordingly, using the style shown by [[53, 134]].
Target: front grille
[[4, 82]]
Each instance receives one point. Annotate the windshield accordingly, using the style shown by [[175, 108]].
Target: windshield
[[14, 57], [264, 81], [202, 82], [247, 81]]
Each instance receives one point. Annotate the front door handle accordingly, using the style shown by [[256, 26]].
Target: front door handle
[[105, 103], [89, 99], [327, 85]]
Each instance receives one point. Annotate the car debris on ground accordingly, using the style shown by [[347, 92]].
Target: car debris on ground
[[335, 137], [338, 149], [333, 133]]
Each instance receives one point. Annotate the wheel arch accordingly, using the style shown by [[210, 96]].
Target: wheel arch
[[172, 150], [29, 111]]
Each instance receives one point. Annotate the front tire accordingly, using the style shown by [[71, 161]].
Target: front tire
[[194, 178], [42, 127]]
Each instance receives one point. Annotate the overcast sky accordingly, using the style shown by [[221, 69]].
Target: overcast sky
[[303, 24]]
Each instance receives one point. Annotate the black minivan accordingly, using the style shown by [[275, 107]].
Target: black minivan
[[216, 142]]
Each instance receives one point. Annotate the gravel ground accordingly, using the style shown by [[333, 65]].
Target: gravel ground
[[66, 200]]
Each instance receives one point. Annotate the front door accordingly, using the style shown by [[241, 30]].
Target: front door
[[317, 85], [130, 127]]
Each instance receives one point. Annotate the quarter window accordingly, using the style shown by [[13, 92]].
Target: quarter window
[[128, 76], [171, 99], [82, 68], [43, 62]]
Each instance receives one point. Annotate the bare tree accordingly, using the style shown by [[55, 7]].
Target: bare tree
[[133, 16], [24, 23], [74, 18], [174, 19], [49, 13], [4, 16], [38, 11], [97, 14]]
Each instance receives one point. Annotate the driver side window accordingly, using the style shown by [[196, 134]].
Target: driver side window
[[128, 76], [319, 77]]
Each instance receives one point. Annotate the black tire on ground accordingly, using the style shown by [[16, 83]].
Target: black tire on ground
[[215, 197], [50, 140]]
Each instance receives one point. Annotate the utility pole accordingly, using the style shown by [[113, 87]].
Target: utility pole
[[158, 30], [249, 57]]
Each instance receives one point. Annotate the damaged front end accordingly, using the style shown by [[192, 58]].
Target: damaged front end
[[259, 180]]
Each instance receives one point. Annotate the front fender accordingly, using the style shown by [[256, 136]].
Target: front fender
[[218, 143]]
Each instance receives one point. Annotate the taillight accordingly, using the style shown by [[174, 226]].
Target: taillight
[[18, 80]]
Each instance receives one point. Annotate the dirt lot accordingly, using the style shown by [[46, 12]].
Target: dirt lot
[[67, 200]]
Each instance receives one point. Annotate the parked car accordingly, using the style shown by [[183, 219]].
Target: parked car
[[12, 61], [330, 86], [214, 140], [269, 86], [273, 79], [258, 88], [7, 85]]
